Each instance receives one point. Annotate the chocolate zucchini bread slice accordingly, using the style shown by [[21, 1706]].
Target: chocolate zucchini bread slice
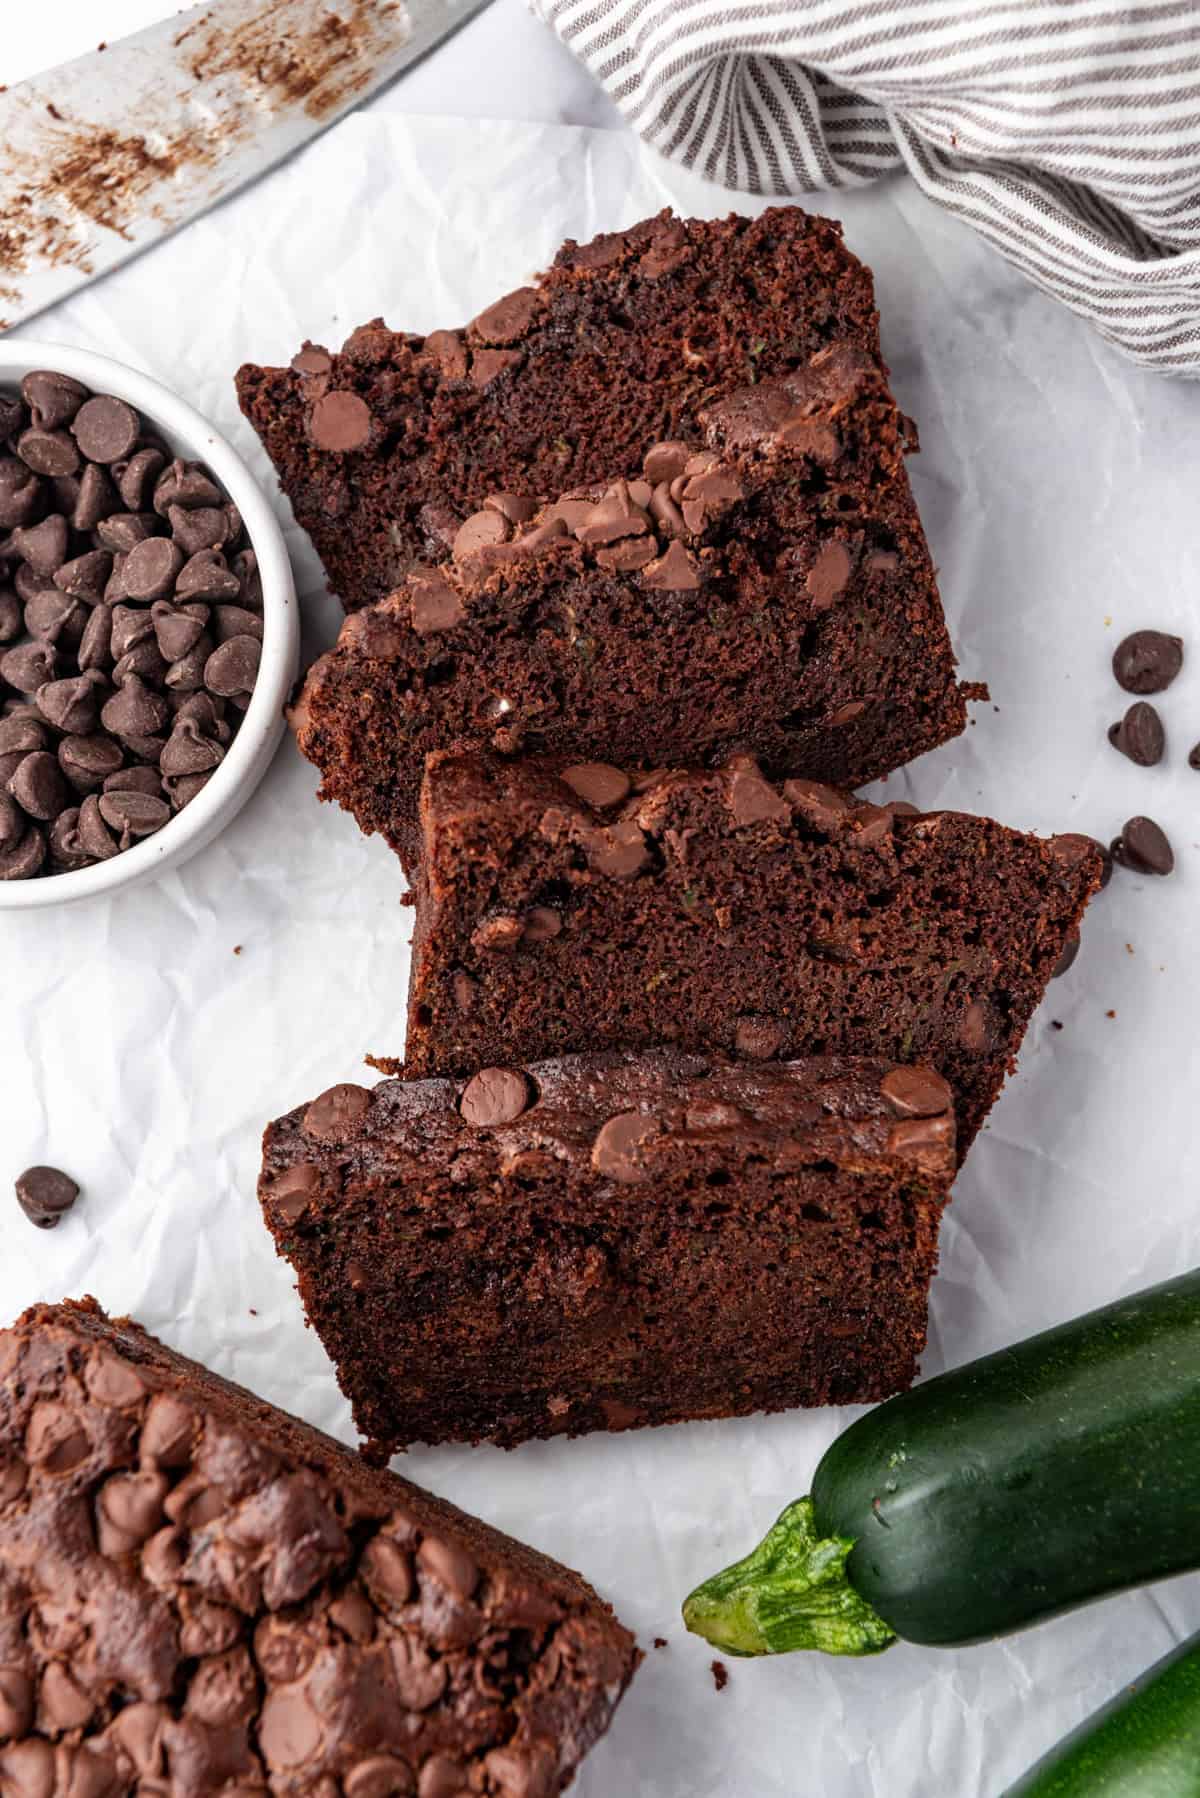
[[613, 1239], [200, 1594], [766, 587], [387, 446], [583, 909]]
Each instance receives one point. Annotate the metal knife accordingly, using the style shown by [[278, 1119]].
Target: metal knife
[[104, 156]]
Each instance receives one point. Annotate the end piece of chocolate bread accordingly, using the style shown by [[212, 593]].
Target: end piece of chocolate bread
[[385, 447], [558, 911], [612, 1240], [199, 1593]]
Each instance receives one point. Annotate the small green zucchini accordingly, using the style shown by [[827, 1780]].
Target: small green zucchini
[[989, 1498], [1145, 1743]]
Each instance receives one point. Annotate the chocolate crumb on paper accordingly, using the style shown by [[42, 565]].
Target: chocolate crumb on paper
[[720, 1673]]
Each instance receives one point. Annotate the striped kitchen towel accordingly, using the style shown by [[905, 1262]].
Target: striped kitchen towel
[[1066, 132]]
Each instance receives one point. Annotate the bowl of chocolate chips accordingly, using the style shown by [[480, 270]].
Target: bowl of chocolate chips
[[149, 634]]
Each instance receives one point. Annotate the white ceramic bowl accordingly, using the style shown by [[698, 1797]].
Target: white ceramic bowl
[[188, 434]]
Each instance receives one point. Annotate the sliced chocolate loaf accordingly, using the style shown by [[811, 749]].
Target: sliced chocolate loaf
[[387, 446], [558, 912], [766, 587], [612, 1240], [200, 1594]]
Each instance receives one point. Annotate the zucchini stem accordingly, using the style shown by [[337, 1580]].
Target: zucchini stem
[[790, 1592]]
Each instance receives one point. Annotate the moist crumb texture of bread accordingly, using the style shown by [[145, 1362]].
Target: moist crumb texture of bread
[[762, 585], [385, 447], [612, 1240], [561, 911], [200, 1594]]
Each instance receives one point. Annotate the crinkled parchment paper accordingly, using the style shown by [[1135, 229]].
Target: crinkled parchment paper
[[138, 1050]]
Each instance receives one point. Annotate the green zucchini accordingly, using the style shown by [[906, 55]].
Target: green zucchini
[[1145, 1743], [989, 1498]]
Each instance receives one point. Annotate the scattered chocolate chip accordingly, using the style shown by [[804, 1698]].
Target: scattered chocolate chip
[[312, 359], [1147, 661], [45, 1195], [1143, 847], [1140, 735], [494, 1096], [340, 422]]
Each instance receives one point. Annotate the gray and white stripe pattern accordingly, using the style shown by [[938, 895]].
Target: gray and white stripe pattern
[[1066, 132]]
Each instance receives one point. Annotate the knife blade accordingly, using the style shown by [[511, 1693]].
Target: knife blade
[[106, 155]]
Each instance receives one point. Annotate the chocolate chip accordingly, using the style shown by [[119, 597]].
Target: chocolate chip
[[71, 705], [47, 452], [20, 493], [25, 858], [123, 531], [619, 850], [436, 605], [507, 320], [440, 1777], [150, 568], [379, 1776], [827, 579], [312, 359], [512, 507], [340, 422], [1147, 661], [447, 349], [676, 571], [1143, 847], [199, 528], [43, 546], [613, 517], [598, 784], [10, 616], [916, 1092], [449, 1564], [975, 1029], [134, 710], [189, 751], [758, 1038], [617, 1148], [106, 429], [481, 529], [132, 815], [97, 497], [184, 484], [232, 669], [753, 800], [53, 399], [144, 660], [130, 625], [94, 835], [86, 577], [665, 461], [494, 1096], [67, 852], [335, 1113], [236, 621], [12, 821], [52, 615], [486, 365], [38, 786], [186, 675], [87, 760], [207, 575], [177, 629], [498, 934], [45, 1195], [135, 481], [140, 779], [925, 1139], [1140, 735]]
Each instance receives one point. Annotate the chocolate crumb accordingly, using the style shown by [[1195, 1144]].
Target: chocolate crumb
[[660, 1642], [1056, 1023], [237, 948], [720, 1673]]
